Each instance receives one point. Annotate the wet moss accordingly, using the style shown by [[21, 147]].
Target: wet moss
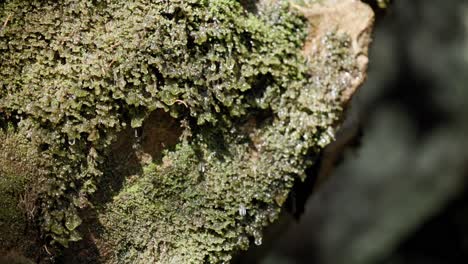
[[213, 194], [76, 73]]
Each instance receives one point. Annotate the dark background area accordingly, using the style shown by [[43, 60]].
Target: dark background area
[[401, 196]]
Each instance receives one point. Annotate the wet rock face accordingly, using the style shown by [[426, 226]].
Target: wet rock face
[[180, 125]]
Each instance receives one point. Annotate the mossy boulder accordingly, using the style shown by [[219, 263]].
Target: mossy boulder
[[171, 131]]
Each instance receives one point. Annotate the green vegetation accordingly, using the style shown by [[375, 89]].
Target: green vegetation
[[75, 73], [21, 178]]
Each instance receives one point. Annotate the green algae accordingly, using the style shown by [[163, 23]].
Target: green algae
[[76, 73]]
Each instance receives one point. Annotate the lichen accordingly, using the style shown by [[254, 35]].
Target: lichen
[[76, 73]]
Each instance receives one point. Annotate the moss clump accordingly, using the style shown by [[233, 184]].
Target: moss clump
[[12, 186], [212, 195], [75, 73], [21, 178]]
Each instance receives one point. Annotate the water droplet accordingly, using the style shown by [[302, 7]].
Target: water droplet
[[242, 210], [331, 133], [258, 240], [71, 142], [323, 141], [213, 67], [201, 167], [298, 148]]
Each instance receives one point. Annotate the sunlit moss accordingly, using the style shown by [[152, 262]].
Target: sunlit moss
[[212, 195], [75, 73]]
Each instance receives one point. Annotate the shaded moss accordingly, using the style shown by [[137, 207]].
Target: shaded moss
[[75, 73], [21, 179]]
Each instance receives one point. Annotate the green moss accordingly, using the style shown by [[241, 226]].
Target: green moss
[[12, 218], [75, 73], [20, 181], [213, 194]]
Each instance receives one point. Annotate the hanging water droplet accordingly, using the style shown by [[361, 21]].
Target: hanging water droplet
[[331, 133], [242, 210], [201, 167], [213, 67], [258, 241], [71, 142], [258, 238], [323, 141]]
